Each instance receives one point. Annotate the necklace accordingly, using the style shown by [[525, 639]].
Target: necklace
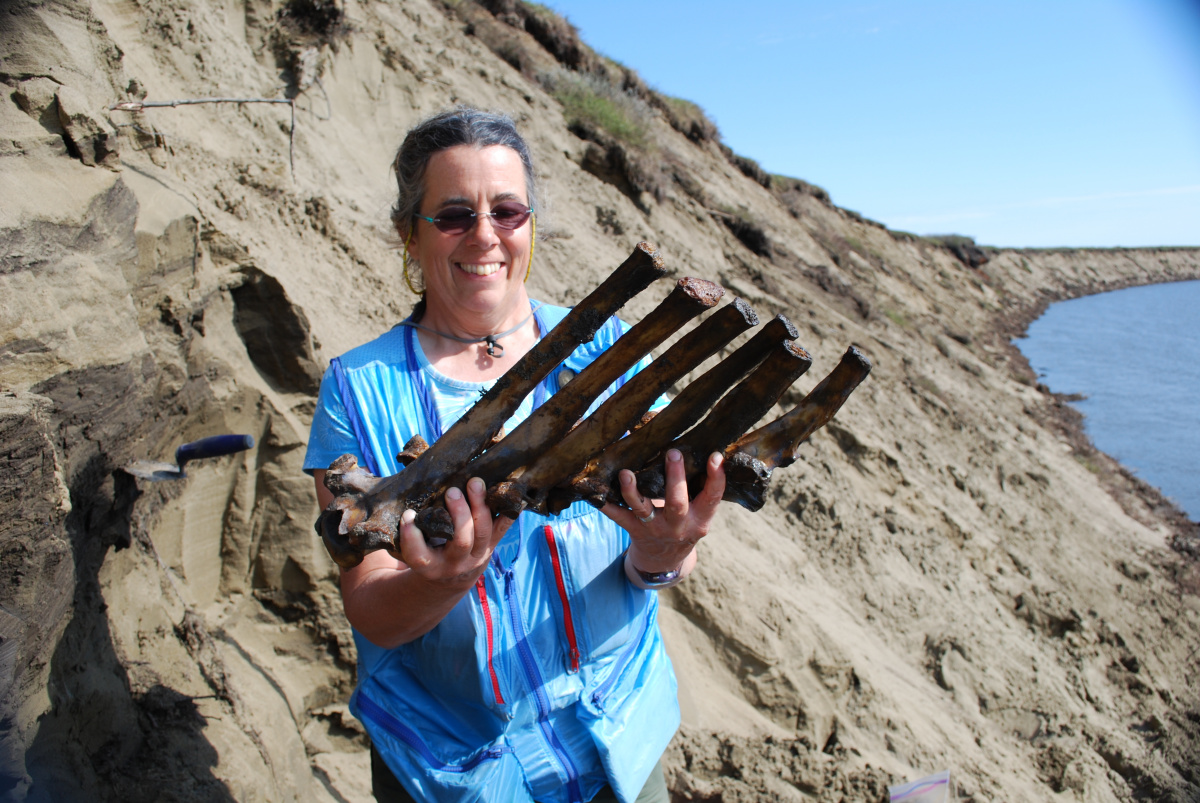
[[433, 418], [493, 341]]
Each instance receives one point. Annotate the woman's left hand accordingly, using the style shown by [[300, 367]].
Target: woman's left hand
[[664, 535]]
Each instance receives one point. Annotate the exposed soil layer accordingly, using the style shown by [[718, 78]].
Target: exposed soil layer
[[949, 576]]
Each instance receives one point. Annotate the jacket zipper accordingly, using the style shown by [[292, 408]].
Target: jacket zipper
[[568, 620], [405, 734], [534, 678], [481, 587]]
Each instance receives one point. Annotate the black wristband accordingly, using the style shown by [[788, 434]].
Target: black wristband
[[658, 579], [655, 579]]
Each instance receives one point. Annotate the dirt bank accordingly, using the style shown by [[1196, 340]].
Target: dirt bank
[[948, 578]]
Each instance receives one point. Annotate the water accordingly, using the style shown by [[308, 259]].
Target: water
[[1135, 354]]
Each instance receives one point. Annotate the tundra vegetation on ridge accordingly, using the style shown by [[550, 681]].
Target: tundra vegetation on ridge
[[939, 582]]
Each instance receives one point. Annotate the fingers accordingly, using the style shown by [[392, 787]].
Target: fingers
[[460, 515], [413, 549], [627, 519], [499, 527], [629, 491], [704, 506], [475, 536], [622, 517], [484, 529], [676, 495], [640, 505]]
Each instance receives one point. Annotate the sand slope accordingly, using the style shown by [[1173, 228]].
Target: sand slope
[[950, 577]]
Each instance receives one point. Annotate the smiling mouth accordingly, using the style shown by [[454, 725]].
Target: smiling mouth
[[483, 269]]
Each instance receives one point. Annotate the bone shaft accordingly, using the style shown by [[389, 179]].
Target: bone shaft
[[620, 412], [548, 424], [775, 444], [748, 402], [750, 461], [733, 415], [634, 451]]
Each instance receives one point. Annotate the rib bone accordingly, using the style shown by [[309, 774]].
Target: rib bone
[[730, 418], [415, 447], [378, 510], [750, 461], [596, 482], [621, 411], [544, 464], [549, 423]]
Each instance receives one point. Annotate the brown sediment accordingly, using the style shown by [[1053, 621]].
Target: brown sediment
[[937, 580]]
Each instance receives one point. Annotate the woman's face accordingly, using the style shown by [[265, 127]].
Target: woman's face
[[481, 271]]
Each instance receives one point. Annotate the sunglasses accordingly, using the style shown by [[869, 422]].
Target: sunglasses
[[507, 215]]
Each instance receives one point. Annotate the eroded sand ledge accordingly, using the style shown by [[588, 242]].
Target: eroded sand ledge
[[943, 580]]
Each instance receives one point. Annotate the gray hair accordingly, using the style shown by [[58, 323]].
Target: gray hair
[[459, 126]]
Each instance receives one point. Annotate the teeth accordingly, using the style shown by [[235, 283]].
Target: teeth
[[486, 269]]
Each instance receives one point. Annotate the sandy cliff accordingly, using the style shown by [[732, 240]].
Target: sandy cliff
[[950, 577]]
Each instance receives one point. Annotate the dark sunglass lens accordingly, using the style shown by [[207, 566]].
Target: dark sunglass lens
[[510, 215], [455, 219]]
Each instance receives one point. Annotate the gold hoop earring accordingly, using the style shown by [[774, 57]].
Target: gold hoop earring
[[532, 245], [408, 279]]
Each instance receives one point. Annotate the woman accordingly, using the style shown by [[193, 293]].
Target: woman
[[521, 660]]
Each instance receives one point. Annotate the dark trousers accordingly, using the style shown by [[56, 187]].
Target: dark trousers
[[387, 789]]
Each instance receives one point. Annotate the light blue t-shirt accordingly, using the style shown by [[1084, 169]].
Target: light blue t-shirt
[[453, 397]]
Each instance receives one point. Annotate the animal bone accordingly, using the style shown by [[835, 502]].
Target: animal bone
[[595, 482], [620, 412], [730, 418], [751, 460], [415, 447], [544, 464], [549, 423], [374, 515]]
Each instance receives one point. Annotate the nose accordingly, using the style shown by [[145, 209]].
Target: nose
[[484, 231]]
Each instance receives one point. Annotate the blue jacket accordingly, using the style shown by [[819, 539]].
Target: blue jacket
[[549, 679]]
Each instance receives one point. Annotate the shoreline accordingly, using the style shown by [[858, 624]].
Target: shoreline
[[1139, 499]]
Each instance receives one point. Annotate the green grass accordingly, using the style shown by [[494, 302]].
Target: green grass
[[896, 317], [781, 183], [590, 100], [540, 9], [685, 117], [612, 64], [687, 110], [583, 106], [682, 105]]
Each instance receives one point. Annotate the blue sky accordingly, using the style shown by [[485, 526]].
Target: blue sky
[[1052, 123]]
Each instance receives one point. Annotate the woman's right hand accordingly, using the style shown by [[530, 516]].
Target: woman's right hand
[[394, 601], [460, 561]]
